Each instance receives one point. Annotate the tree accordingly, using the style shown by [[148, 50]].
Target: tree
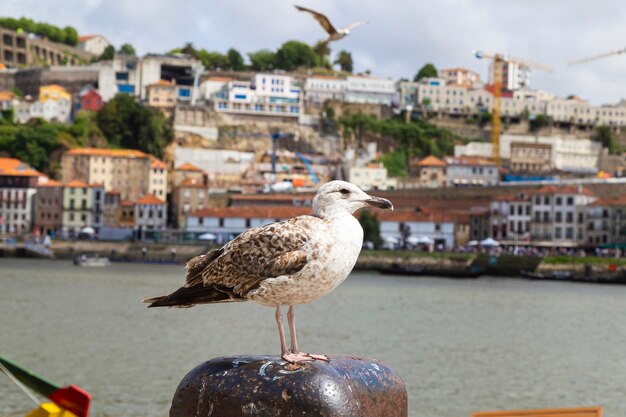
[[371, 228], [539, 121], [128, 124], [296, 54], [127, 49], [108, 54], [213, 60], [188, 49], [71, 35], [235, 60], [427, 71], [605, 136], [34, 144], [344, 59], [262, 60]]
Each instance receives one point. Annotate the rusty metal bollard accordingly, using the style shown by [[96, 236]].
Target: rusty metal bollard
[[269, 386]]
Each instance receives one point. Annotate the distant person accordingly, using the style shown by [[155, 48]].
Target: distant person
[[144, 253], [173, 253]]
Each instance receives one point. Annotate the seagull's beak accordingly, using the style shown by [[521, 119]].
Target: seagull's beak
[[379, 202]]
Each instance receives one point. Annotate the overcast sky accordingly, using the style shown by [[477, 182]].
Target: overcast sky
[[401, 35]]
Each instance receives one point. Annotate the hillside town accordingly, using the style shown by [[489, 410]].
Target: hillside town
[[250, 147]]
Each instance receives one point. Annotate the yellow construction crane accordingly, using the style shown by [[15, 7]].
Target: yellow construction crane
[[496, 77], [600, 56]]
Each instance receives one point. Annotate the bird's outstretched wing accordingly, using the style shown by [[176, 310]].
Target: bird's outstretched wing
[[354, 25], [323, 20], [232, 271]]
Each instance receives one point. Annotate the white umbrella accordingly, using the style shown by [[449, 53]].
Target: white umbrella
[[88, 230], [207, 236], [413, 240], [390, 239], [472, 243], [425, 240], [489, 242]]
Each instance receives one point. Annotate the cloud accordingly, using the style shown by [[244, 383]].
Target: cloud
[[401, 35]]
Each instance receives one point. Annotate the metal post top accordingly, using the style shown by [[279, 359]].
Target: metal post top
[[269, 386]]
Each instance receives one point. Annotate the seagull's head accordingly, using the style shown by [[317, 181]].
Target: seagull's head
[[337, 196]]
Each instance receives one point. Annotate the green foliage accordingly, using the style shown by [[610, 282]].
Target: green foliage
[[605, 136], [108, 54], [539, 121], [128, 124], [67, 35], [427, 71], [371, 228], [395, 162], [235, 60], [262, 60], [127, 49], [32, 144], [7, 117], [296, 54], [344, 59], [413, 139]]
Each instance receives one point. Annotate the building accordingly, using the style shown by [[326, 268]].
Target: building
[[53, 92], [127, 214], [90, 100], [158, 179], [471, 172], [49, 208], [20, 49], [18, 186], [436, 225], [531, 158], [460, 76], [188, 196], [320, 88], [430, 172], [8, 100], [266, 95], [600, 227], [178, 69], [94, 44], [212, 85], [124, 170], [112, 209], [373, 90], [514, 76], [371, 176], [150, 215], [162, 95], [59, 111], [215, 162], [511, 218], [187, 171], [83, 206], [558, 215]]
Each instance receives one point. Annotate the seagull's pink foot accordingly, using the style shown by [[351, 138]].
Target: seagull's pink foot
[[297, 357], [317, 357]]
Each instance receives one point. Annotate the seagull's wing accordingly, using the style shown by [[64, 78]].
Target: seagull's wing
[[323, 20], [255, 255], [232, 271], [354, 25]]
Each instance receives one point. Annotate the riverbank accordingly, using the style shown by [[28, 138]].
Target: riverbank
[[591, 268]]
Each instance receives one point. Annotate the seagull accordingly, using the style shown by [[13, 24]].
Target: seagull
[[333, 34], [291, 262]]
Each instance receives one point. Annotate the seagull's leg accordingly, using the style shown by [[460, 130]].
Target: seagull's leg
[[291, 318], [284, 352]]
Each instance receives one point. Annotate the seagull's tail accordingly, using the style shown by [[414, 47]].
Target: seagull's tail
[[190, 296]]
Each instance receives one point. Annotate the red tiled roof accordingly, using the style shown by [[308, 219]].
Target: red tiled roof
[[568, 189], [84, 38], [431, 161], [253, 212], [120, 153], [51, 183], [219, 79], [468, 160], [15, 167], [272, 197], [192, 183], [150, 199], [158, 164], [76, 184], [188, 167]]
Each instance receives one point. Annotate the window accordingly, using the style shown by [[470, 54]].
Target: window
[[546, 216], [546, 200], [519, 210], [83, 217], [559, 217], [569, 233], [559, 201], [557, 233], [570, 201], [580, 218], [569, 217], [511, 210], [221, 222], [537, 200], [247, 222], [512, 226], [71, 217], [200, 221]]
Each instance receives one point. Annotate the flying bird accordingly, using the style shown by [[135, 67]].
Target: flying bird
[[287, 263], [333, 34]]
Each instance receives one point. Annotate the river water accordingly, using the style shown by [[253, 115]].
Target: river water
[[460, 345]]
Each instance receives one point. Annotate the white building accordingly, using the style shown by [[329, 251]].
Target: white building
[[265, 95], [94, 44], [158, 179], [435, 225], [460, 76], [558, 215], [511, 218], [215, 161], [212, 85], [471, 172], [568, 154], [514, 76], [51, 110], [362, 89], [320, 88], [436, 95], [371, 176], [18, 186], [150, 214]]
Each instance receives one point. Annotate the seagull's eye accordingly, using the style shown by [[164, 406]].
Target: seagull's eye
[[344, 191]]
